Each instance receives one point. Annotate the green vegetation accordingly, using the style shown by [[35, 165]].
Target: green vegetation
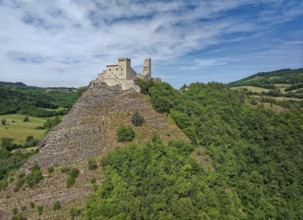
[[50, 169], [9, 163], [125, 133], [26, 119], [284, 86], [18, 216], [19, 130], [255, 157], [137, 119], [92, 165], [26, 100], [50, 123], [159, 182], [34, 177], [268, 79], [56, 206], [39, 209], [72, 174], [32, 205], [75, 212]]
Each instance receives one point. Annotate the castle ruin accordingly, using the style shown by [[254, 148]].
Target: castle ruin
[[122, 74]]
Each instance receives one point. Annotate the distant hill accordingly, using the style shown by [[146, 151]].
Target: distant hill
[[283, 87], [35, 101], [269, 79], [19, 84]]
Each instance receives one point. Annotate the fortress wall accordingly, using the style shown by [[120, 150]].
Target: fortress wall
[[124, 83]]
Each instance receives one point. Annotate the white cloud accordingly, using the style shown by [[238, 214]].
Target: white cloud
[[67, 42]]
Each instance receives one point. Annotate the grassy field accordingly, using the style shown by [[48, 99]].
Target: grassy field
[[57, 109], [280, 98], [252, 88], [18, 130]]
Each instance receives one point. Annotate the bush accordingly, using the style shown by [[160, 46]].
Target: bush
[[19, 182], [74, 212], [137, 119], [18, 216], [34, 177], [26, 119], [14, 210], [92, 165], [32, 205], [125, 133], [72, 175], [3, 121], [56, 205], [50, 169], [40, 209]]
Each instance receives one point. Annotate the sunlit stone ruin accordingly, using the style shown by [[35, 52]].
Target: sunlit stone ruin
[[122, 74]]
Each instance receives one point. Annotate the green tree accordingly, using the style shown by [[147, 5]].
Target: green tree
[[39, 209], [26, 119], [92, 165], [56, 205], [74, 212], [34, 177], [125, 133], [137, 119], [3, 121], [7, 143]]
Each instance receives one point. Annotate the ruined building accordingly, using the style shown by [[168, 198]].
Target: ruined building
[[122, 74]]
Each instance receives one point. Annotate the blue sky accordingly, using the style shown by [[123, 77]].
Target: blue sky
[[68, 42]]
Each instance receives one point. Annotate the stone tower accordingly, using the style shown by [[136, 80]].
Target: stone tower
[[147, 68]]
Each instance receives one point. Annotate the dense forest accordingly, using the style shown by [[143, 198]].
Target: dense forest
[[255, 166], [35, 101]]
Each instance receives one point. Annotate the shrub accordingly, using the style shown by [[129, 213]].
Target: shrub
[[50, 169], [34, 177], [18, 216], [74, 212], [137, 119], [14, 210], [3, 121], [72, 175], [56, 205], [125, 133], [26, 119], [19, 182], [40, 209], [7, 143], [92, 165], [32, 205]]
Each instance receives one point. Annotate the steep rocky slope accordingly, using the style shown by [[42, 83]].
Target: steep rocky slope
[[87, 132]]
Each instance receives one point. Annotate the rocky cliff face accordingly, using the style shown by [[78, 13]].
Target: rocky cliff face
[[87, 132]]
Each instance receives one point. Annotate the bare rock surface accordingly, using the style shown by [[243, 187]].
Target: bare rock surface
[[87, 132]]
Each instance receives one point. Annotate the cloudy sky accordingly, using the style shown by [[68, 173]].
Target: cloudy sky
[[68, 42]]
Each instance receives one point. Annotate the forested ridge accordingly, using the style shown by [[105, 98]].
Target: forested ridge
[[255, 155], [35, 101]]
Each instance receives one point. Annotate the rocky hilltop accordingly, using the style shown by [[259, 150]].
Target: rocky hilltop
[[87, 132]]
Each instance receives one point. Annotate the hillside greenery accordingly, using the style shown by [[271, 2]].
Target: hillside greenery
[[256, 155], [9, 163], [285, 84], [25, 114], [268, 79], [35, 101]]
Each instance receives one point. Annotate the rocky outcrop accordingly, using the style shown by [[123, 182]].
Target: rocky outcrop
[[87, 132]]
